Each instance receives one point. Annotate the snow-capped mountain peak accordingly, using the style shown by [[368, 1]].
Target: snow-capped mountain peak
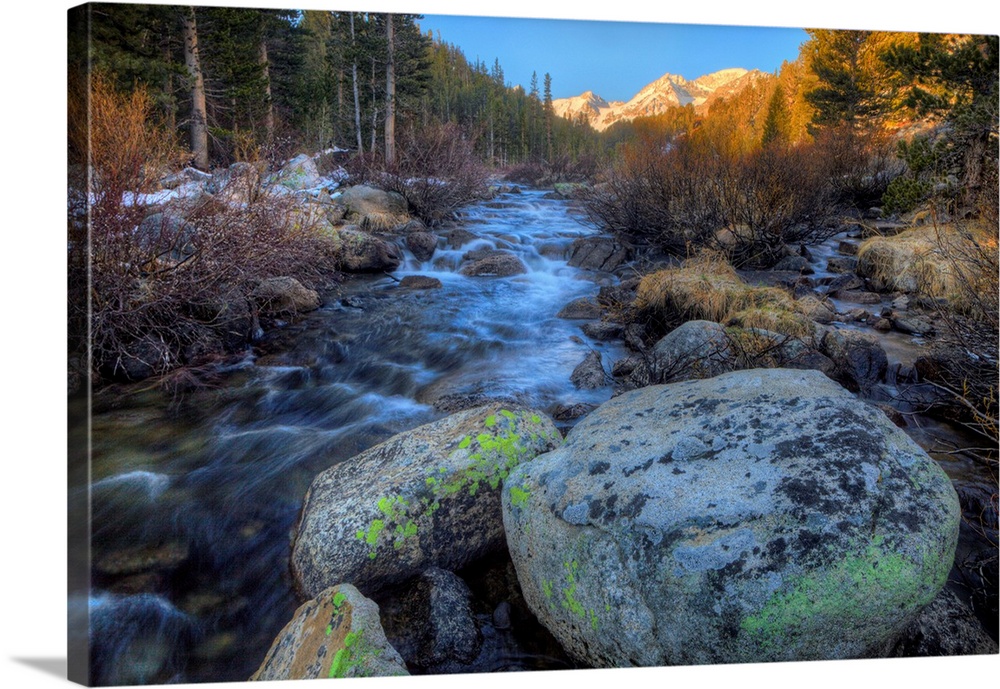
[[670, 90]]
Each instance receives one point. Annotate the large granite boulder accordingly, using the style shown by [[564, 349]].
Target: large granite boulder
[[761, 515], [363, 200], [426, 497], [337, 634], [299, 173]]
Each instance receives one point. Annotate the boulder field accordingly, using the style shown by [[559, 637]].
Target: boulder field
[[761, 515]]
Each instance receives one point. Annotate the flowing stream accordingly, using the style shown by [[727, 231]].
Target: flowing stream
[[194, 497]]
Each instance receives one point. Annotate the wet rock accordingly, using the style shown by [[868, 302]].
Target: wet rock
[[422, 244], [619, 296], [495, 264], [501, 616], [847, 247], [774, 278], [845, 282], [431, 623], [912, 325], [584, 308], [149, 356], [603, 330], [883, 325], [589, 374], [336, 634], [798, 264], [597, 253], [946, 627], [458, 238], [142, 558], [361, 252], [625, 366], [859, 358], [570, 412], [139, 639], [284, 296], [857, 296], [426, 497], [843, 264], [901, 303], [419, 282], [762, 515]]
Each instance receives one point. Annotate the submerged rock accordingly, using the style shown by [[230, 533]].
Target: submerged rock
[[496, 264], [761, 515], [337, 634], [422, 245], [584, 308], [419, 282], [426, 497]]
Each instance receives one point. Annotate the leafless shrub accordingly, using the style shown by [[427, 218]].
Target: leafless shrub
[[768, 198], [658, 195], [437, 171], [174, 290]]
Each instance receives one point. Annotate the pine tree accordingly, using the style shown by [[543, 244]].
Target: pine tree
[[777, 121]]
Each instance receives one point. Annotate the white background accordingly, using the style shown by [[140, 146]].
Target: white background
[[32, 361]]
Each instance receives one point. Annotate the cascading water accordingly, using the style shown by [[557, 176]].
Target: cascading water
[[193, 499]]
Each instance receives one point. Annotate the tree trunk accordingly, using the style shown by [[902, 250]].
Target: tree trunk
[[199, 124], [357, 99], [266, 72], [374, 108], [390, 95]]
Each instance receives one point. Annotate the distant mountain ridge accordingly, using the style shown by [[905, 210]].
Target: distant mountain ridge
[[668, 91]]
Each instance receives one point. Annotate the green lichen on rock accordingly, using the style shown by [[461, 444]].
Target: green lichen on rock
[[347, 657], [491, 457], [519, 495], [851, 592], [569, 600], [394, 510]]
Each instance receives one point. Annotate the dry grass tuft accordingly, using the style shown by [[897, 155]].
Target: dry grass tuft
[[706, 287], [952, 262], [382, 222]]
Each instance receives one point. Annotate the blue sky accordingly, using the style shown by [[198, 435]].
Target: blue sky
[[613, 59]]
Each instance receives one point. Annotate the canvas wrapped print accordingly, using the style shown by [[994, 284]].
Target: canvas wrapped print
[[413, 344]]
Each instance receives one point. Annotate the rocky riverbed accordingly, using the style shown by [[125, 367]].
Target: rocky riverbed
[[396, 444]]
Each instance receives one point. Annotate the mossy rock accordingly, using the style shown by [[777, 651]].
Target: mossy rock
[[337, 634], [426, 497], [761, 515]]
